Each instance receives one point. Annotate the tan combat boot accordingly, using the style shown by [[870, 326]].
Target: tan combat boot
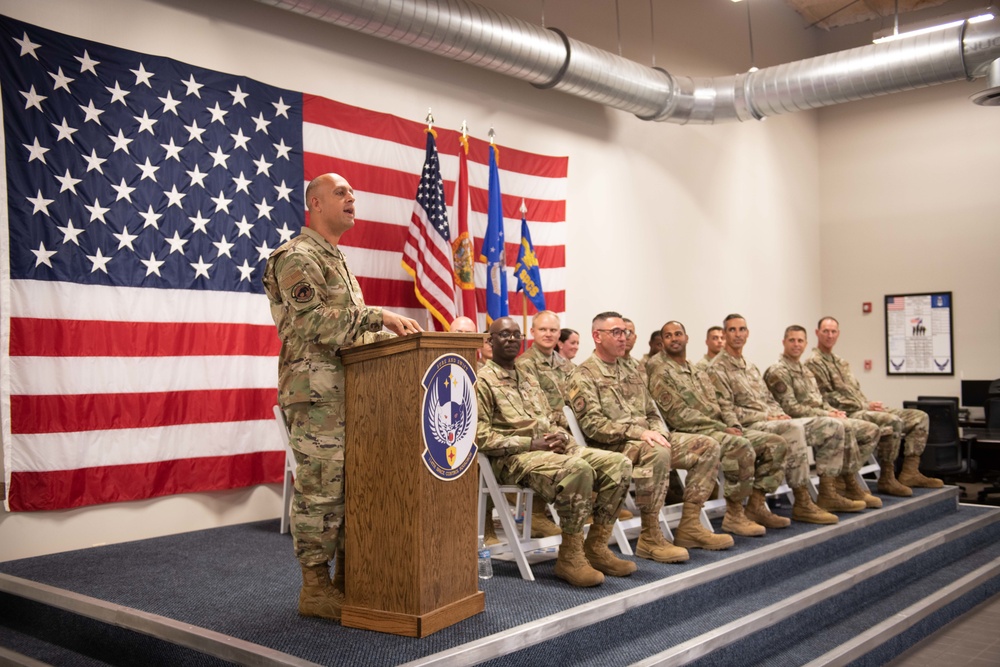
[[653, 545], [853, 490], [831, 501], [910, 474], [887, 482], [738, 523], [624, 514], [318, 597], [758, 512], [806, 511], [490, 534], [542, 525], [692, 535], [601, 558], [572, 565]]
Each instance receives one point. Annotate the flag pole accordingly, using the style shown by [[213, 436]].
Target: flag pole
[[524, 298]]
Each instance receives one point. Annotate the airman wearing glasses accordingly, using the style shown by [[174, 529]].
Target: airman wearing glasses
[[526, 448], [616, 412]]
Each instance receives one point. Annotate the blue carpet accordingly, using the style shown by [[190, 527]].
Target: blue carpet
[[655, 627], [243, 581]]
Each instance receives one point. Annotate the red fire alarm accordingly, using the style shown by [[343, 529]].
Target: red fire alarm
[[868, 364], [866, 307]]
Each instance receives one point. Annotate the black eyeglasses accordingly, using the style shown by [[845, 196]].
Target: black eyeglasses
[[618, 333], [507, 335]]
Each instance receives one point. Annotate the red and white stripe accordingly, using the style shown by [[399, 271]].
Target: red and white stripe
[[382, 156]]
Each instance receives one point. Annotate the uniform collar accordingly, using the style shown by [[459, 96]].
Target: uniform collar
[[318, 238]]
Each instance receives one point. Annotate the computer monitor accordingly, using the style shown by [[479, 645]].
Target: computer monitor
[[974, 393]]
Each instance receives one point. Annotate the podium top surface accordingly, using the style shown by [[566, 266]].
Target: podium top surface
[[423, 340]]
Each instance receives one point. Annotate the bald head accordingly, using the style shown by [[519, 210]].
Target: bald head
[[330, 200], [505, 339], [463, 325]]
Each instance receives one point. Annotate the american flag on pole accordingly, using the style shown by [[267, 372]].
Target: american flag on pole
[[141, 198], [427, 254]]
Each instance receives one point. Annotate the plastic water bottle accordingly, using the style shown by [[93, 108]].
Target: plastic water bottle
[[485, 564]]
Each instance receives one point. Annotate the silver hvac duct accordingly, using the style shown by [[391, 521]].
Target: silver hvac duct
[[547, 58]]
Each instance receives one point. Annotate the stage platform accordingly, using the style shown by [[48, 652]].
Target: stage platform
[[861, 591]]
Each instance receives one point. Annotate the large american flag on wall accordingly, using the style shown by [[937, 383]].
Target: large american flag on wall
[[141, 197]]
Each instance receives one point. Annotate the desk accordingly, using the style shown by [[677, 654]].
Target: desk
[[986, 436], [986, 454]]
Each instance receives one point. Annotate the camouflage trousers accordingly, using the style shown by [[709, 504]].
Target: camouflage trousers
[[650, 471], [824, 434], [861, 437], [768, 465], [736, 461], [317, 513], [568, 482], [700, 456], [793, 432], [897, 424]]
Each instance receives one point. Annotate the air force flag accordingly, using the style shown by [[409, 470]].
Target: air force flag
[[448, 418]]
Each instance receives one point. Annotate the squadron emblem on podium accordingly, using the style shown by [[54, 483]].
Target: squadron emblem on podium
[[448, 416]]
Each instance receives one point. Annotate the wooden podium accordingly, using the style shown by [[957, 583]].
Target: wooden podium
[[411, 540]]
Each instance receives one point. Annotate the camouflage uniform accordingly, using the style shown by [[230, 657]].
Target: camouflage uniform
[[703, 363], [841, 389], [552, 372], [513, 411], [614, 408], [686, 398], [794, 387], [743, 395], [635, 365], [317, 306]]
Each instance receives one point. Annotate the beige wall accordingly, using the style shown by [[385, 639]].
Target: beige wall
[[909, 203], [667, 222]]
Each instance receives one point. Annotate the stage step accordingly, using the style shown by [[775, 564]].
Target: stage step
[[858, 592], [780, 595], [813, 624]]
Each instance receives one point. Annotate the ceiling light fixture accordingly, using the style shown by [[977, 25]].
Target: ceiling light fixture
[[933, 26]]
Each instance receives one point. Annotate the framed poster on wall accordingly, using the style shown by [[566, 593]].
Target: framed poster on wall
[[918, 337]]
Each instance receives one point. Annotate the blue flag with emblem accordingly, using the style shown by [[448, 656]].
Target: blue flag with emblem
[[493, 247], [529, 276]]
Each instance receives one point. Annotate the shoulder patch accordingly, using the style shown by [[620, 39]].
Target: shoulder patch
[[579, 403], [303, 292], [780, 387]]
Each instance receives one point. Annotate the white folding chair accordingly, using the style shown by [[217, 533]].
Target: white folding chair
[[872, 467], [286, 491], [620, 530], [519, 542]]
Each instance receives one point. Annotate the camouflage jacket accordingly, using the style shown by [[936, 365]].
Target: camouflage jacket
[[703, 363], [685, 396], [611, 403], [318, 308], [794, 387], [836, 382], [741, 390], [637, 366], [512, 412], [552, 372]]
